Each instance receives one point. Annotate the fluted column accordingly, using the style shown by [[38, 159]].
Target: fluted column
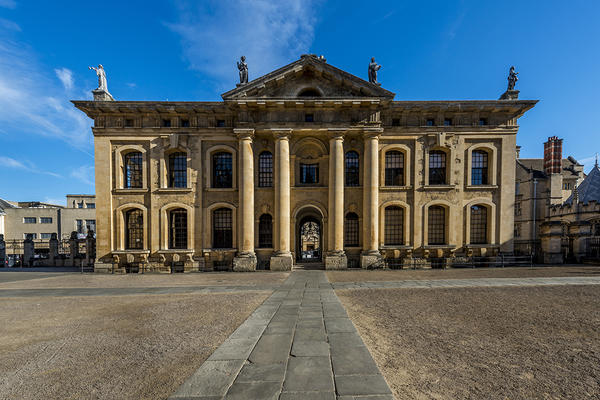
[[335, 258], [245, 259], [282, 259], [371, 257]]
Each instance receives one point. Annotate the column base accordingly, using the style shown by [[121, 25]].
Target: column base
[[371, 260], [282, 262], [244, 262], [336, 260]]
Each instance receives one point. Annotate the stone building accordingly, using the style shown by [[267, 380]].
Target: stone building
[[306, 163], [541, 183]]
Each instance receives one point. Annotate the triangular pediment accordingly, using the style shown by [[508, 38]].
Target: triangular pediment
[[310, 76]]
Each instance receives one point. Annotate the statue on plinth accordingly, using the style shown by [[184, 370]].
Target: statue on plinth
[[101, 93], [243, 67], [373, 68], [512, 78]]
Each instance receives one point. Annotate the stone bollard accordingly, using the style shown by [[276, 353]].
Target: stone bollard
[[53, 249], [2, 251], [90, 249], [73, 248], [28, 251]]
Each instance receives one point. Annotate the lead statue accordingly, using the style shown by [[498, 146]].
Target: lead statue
[[512, 78], [243, 67], [101, 78], [373, 68]]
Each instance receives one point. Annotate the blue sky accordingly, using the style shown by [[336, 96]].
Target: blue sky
[[186, 50]]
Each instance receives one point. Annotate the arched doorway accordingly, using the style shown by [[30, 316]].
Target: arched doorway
[[309, 236]]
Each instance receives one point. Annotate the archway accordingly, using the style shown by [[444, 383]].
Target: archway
[[309, 236]]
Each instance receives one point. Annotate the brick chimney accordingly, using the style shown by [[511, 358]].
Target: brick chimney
[[553, 155]]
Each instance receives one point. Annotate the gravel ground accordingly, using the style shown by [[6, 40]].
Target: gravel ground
[[484, 343], [359, 275], [121, 347], [7, 280]]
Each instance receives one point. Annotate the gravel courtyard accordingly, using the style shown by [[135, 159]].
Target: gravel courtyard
[[483, 343]]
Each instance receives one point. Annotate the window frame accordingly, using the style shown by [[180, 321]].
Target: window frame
[[175, 240], [478, 234], [352, 177], [265, 231], [440, 223], [226, 237], [177, 173], [351, 230], [393, 233], [392, 176], [441, 171], [127, 179], [228, 182], [133, 232], [265, 169], [307, 166], [482, 174]]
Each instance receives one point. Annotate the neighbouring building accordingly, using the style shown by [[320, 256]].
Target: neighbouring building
[[306, 163]]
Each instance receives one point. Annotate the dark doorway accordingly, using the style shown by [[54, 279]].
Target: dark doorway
[[309, 247]]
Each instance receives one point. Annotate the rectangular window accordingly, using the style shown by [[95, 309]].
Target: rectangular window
[[166, 123], [479, 170], [436, 226], [129, 123], [220, 123], [185, 123], [483, 121], [45, 220], [309, 173], [396, 122], [90, 224], [45, 235], [265, 169], [394, 226], [437, 168], [222, 229], [351, 231], [430, 122], [517, 208], [29, 220], [33, 235], [447, 121], [80, 204], [517, 230], [80, 226], [91, 205], [394, 168], [309, 117]]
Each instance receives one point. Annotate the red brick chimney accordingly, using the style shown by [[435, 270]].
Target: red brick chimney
[[553, 155]]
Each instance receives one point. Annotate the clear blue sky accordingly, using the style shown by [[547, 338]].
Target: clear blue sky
[[186, 50]]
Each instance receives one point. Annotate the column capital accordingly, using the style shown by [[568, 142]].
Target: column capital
[[337, 133], [281, 133], [372, 133], [244, 133]]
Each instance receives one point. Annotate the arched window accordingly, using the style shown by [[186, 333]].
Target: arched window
[[178, 170], [265, 169], [134, 229], [394, 168], [265, 231], [178, 229], [352, 169], [133, 170], [351, 230], [478, 225], [437, 167], [222, 170], [394, 226], [479, 167], [436, 227], [222, 229]]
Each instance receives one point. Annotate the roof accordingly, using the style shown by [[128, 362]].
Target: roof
[[589, 189], [4, 205], [536, 166]]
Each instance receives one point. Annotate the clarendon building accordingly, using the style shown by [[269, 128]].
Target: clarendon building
[[307, 163]]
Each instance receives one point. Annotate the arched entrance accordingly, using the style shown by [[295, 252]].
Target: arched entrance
[[309, 239]]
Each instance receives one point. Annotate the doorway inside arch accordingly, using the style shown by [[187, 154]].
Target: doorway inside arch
[[309, 247]]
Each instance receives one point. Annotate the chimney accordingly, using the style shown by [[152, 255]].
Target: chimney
[[553, 155]]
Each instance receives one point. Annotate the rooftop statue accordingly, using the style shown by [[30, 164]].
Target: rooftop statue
[[101, 77], [373, 68], [243, 67], [512, 78]]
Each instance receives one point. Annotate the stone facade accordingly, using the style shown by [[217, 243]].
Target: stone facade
[[342, 154]]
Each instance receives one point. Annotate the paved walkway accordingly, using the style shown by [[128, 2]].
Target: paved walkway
[[299, 344]]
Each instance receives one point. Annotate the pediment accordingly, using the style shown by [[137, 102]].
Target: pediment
[[309, 76]]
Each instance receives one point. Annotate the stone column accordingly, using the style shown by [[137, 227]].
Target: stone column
[[245, 259], [282, 260], [371, 258], [335, 258]]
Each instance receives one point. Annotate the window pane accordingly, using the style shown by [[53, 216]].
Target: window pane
[[222, 170], [351, 230], [265, 169], [436, 225], [178, 229], [178, 170], [352, 169], [437, 167], [479, 168], [478, 225], [133, 170], [222, 229], [394, 226], [394, 168], [265, 231], [134, 229], [309, 173]]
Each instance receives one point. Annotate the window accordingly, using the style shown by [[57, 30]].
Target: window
[[45, 236], [220, 123], [166, 123], [483, 121], [447, 122], [309, 117], [222, 229], [222, 170], [265, 169], [133, 170], [178, 170], [178, 229], [517, 188], [437, 167], [478, 225], [436, 225], [352, 169], [80, 204], [134, 229], [80, 226], [479, 167], [430, 122], [394, 168], [351, 230], [517, 208], [30, 220], [309, 173], [91, 205], [129, 123], [517, 230], [90, 225], [185, 123], [33, 235], [265, 231], [395, 121], [45, 220], [394, 226]]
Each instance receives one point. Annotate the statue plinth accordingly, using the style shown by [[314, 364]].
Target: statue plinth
[[510, 95], [240, 84], [102, 95]]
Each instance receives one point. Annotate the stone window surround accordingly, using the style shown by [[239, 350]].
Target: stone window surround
[[449, 165], [450, 216], [322, 160], [208, 226], [257, 230], [406, 151], [164, 167], [164, 225], [208, 167], [407, 219], [119, 155], [119, 233], [491, 220], [492, 151]]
